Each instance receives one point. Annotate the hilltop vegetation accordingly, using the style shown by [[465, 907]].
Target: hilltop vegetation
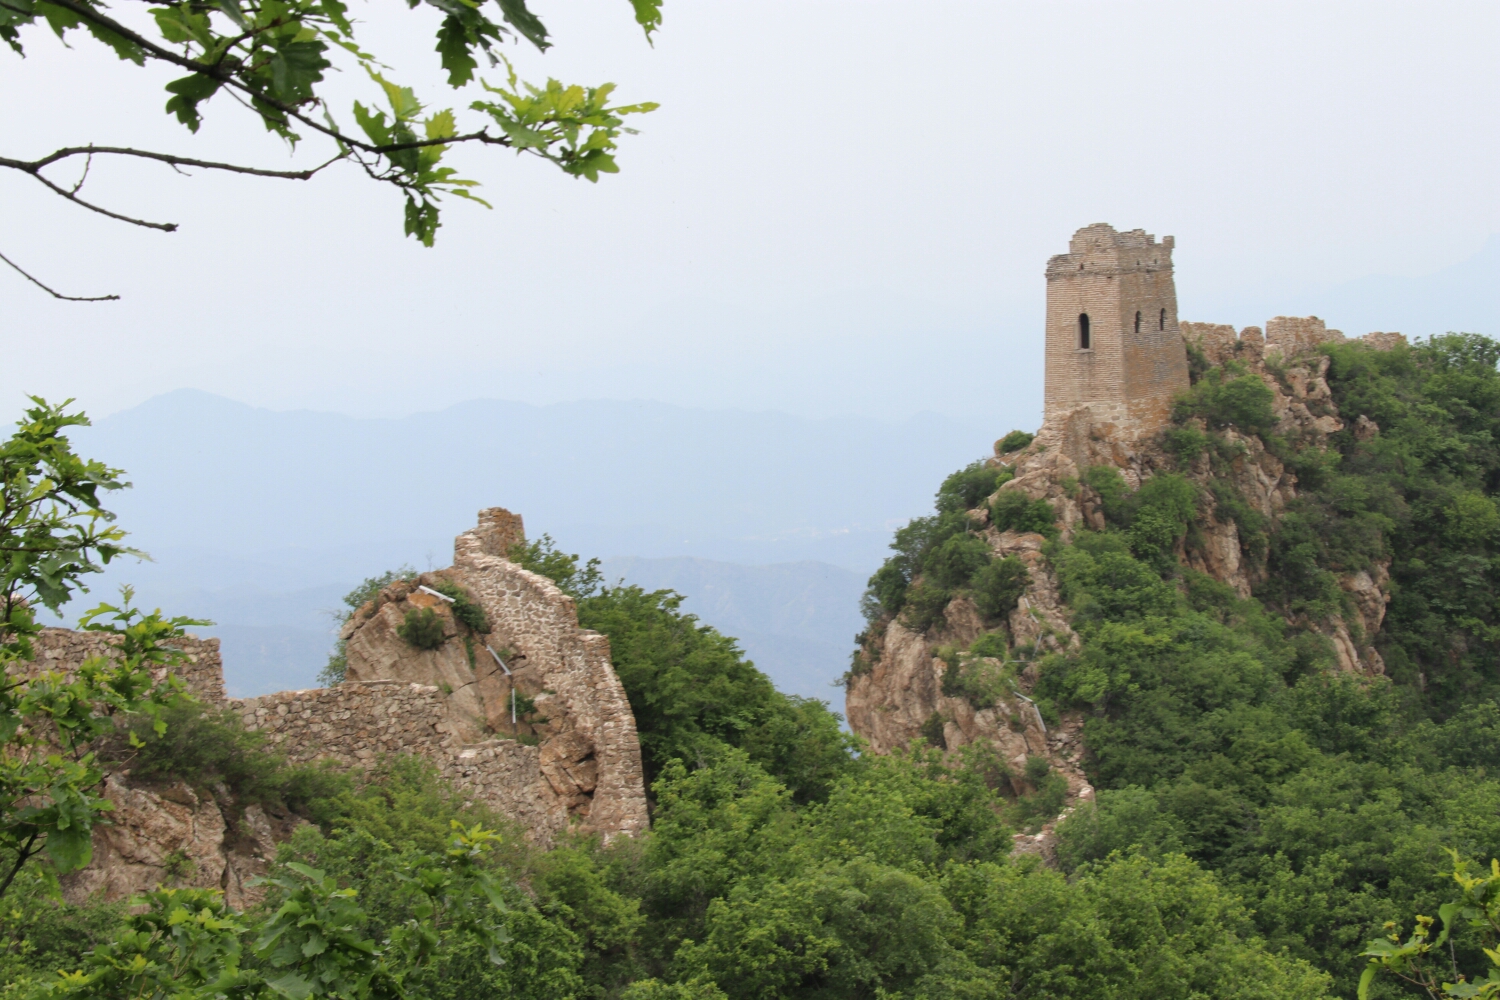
[[1260, 815], [1222, 734]]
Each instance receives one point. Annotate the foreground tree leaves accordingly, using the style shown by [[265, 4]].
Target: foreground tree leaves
[[271, 57], [53, 533], [188, 945]]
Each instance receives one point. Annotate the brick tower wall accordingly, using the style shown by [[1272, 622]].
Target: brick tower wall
[[1126, 375]]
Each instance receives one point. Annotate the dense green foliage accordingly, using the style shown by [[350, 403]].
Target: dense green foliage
[[779, 865], [942, 555], [54, 532], [691, 689], [1260, 817], [1420, 492], [1218, 730], [896, 884], [1014, 441], [421, 628]]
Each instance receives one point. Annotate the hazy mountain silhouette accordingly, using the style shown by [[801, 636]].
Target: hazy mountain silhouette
[[260, 520]]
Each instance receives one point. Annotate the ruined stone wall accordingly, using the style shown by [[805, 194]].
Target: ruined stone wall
[[592, 756], [573, 764], [359, 723], [63, 650], [588, 753]]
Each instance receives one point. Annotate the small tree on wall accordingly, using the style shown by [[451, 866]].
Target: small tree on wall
[[272, 57]]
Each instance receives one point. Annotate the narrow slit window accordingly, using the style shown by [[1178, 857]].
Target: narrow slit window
[[1083, 331], [1137, 321], [1161, 324]]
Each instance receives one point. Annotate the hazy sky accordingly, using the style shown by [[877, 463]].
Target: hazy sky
[[840, 207]]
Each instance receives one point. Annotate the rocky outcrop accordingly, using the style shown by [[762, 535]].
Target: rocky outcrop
[[174, 835], [899, 696], [572, 761], [585, 750]]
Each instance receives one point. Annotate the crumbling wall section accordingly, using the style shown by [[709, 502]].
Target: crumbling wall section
[[359, 723], [587, 750], [64, 650], [591, 756]]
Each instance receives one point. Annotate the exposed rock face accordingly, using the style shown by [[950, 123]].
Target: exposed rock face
[[577, 764], [173, 835], [588, 755], [900, 696]]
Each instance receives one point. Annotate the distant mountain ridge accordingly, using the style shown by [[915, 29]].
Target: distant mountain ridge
[[261, 520]]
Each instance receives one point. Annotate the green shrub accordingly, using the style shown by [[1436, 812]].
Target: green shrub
[[202, 747], [885, 594], [1185, 444], [972, 677], [1161, 511], [1014, 441], [932, 731], [1229, 397], [542, 556], [692, 692], [1045, 803], [968, 487], [1014, 511], [422, 629], [655, 989], [955, 562], [886, 591], [925, 604], [463, 609], [992, 644], [41, 934], [998, 586], [1037, 768], [1109, 486], [206, 748]]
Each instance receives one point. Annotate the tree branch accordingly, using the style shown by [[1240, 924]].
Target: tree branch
[[68, 298], [166, 227], [25, 851], [156, 51], [215, 71], [34, 168]]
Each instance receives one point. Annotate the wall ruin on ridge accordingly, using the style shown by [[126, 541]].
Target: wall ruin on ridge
[[575, 765]]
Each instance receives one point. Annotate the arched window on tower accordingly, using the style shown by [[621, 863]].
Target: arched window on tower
[[1083, 332], [1137, 321], [1161, 324]]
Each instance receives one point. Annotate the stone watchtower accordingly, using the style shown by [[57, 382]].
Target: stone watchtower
[[1112, 339]]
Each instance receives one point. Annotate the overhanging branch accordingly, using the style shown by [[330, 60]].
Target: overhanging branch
[[34, 168], [57, 295]]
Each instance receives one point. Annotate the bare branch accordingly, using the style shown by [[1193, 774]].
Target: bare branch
[[166, 227], [57, 295], [85, 176], [33, 166]]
